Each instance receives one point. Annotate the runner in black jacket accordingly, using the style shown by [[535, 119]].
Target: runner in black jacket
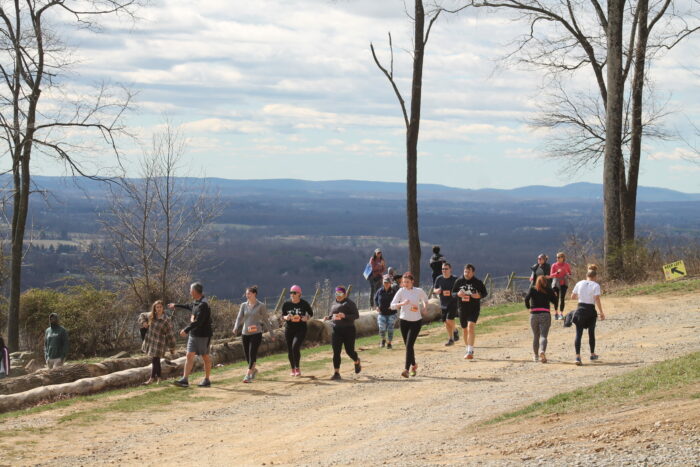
[[469, 291]]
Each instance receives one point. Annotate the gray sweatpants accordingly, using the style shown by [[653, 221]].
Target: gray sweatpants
[[540, 322]]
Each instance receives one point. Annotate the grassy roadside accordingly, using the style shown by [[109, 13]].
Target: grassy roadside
[[148, 397], [653, 382], [686, 285]]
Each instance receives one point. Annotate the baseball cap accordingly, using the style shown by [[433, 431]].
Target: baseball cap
[[377, 250], [295, 288], [387, 278]]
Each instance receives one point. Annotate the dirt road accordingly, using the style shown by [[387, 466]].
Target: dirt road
[[379, 417]]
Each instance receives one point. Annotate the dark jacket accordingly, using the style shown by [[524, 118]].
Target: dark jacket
[[472, 286], [55, 342], [383, 300], [201, 326], [436, 262], [541, 300], [347, 307], [544, 270], [5, 357]]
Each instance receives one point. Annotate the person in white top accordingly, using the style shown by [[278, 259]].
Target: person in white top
[[408, 301], [587, 292]]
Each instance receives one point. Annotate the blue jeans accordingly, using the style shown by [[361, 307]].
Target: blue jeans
[[386, 326]]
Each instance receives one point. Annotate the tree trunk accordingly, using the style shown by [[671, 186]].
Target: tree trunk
[[629, 199], [613, 142], [412, 144]]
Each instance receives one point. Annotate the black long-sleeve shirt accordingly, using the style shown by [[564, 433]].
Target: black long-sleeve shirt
[[201, 326], [470, 286], [347, 307], [539, 301]]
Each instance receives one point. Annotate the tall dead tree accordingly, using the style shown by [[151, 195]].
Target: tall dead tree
[[154, 222], [569, 36], [32, 58], [412, 122]]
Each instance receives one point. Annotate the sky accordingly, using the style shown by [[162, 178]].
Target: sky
[[288, 89]]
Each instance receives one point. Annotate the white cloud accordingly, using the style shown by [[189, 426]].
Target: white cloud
[[675, 154]]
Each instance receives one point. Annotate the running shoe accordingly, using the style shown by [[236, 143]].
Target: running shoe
[[205, 383], [336, 377], [594, 357], [381, 346], [578, 361], [247, 379], [413, 370], [466, 354], [182, 382], [294, 372], [358, 367], [388, 346], [543, 358], [449, 343], [255, 373], [297, 372], [535, 358], [404, 373], [455, 337], [470, 355]]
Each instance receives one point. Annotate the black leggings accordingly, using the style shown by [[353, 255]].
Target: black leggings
[[409, 332], [155, 367], [250, 347], [591, 338], [295, 337], [561, 295], [344, 336]]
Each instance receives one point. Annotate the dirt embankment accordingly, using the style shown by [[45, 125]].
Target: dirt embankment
[[378, 417]]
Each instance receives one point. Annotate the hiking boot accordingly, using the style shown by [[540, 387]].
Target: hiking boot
[[381, 346], [455, 336], [182, 382], [358, 367], [336, 377], [388, 346], [205, 383], [449, 342], [594, 357]]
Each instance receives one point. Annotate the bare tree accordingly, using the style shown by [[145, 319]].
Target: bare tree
[[155, 221], [412, 122], [569, 36], [32, 58]]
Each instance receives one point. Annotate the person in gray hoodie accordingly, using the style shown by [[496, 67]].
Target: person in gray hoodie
[[252, 319]]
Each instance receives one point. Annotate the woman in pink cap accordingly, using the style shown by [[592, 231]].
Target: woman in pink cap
[[296, 312]]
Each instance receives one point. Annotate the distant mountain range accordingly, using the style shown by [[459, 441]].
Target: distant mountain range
[[293, 188]]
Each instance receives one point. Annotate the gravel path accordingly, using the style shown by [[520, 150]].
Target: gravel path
[[380, 418]]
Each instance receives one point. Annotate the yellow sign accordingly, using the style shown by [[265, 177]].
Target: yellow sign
[[675, 270]]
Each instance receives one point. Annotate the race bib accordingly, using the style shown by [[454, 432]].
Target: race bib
[[252, 329], [414, 308], [337, 317], [466, 298], [446, 293], [296, 318]]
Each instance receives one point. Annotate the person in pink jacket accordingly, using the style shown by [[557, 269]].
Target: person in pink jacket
[[560, 274]]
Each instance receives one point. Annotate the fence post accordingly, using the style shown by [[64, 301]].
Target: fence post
[[486, 282], [511, 285], [279, 300], [313, 302]]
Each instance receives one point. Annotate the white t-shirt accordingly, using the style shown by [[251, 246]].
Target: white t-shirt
[[411, 311], [587, 291]]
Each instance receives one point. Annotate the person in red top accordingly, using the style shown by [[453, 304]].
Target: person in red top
[[375, 279], [560, 274]]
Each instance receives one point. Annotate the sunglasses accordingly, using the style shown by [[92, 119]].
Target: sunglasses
[[293, 293], [445, 269], [339, 294]]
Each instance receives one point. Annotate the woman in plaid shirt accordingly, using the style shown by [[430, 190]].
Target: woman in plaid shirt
[[160, 336]]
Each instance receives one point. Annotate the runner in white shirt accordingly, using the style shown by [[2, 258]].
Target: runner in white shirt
[[408, 300], [587, 292]]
